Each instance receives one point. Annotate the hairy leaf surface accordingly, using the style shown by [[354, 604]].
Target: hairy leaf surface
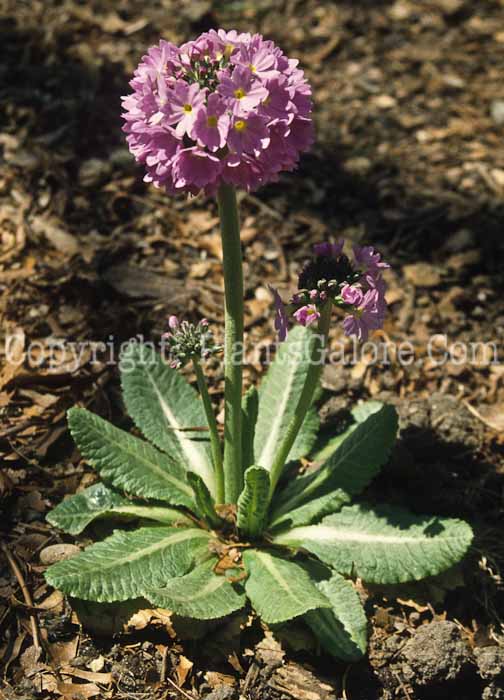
[[279, 394], [311, 512], [342, 630], [200, 594], [383, 545], [165, 408], [352, 466], [278, 588], [128, 463], [253, 501], [75, 513], [205, 505], [122, 565]]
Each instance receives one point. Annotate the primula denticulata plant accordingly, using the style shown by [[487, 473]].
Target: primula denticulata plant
[[224, 523]]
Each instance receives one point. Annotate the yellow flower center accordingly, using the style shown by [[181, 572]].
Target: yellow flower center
[[252, 68], [212, 121], [240, 125], [228, 50], [187, 108], [239, 93]]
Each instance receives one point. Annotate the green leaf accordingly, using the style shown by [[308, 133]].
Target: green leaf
[[165, 408], [326, 446], [351, 467], [125, 563], [383, 545], [279, 394], [254, 501], [311, 512], [75, 513], [307, 436], [205, 505], [200, 594], [250, 408], [128, 463], [342, 631], [278, 588]]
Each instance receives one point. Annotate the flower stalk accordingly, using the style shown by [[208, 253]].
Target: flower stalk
[[233, 342], [215, 443], [306, 398]]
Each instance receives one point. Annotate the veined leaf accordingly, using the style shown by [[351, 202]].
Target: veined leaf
[[353, 465], [383, 545], [311, 512], [75, 513], [278, 588], [325, 447], [200, 594], [128, 463], [253, 502], [205, 505], [122, 565], [250, 408], [166, 409], [279, 394], [342, 630], [306, 437]]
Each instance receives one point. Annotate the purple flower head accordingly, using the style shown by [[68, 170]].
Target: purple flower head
[[307, 315], [188, 341], [173, 323], [330, 250], [281, 320], [230, 96]]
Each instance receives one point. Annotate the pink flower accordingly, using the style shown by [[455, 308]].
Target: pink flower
[[365, 317], [351, 295], [330, 250], [248, 134], [211, 125], [281, 321], [185, 101], [242, 89], [227, 93], [307, 315], [173, 323]]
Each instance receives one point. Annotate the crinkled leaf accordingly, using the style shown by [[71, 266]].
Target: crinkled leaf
[[200, 594], [326, 446], [342, 630], [279, 394], [351, 467], [205, 505], [311, 512], [383, 545], [250, 408], [278, 588], [253, 502], [75, 513], [165, 408], [122, 565], [128, 463]]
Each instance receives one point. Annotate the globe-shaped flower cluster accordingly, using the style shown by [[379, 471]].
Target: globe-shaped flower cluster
[[227, 107]]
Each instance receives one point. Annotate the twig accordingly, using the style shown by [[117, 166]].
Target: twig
[[177, 687], [402, 686], [26, 593], [343, 683]]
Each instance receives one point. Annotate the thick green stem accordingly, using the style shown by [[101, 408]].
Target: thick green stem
[[214, 431], [306, 398], [233, 345]]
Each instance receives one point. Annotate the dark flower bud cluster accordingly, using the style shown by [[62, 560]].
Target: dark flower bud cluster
[[187, 341]]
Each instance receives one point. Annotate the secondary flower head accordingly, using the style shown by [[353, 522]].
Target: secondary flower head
[[226, 107], [330, 277], [187, 341]]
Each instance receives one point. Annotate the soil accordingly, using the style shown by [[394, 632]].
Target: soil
[[409, 158]]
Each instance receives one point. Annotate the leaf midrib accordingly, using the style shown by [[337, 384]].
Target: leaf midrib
[[323, 534], [269, 565]]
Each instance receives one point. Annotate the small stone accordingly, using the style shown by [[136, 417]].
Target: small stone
[[58, 552], [384, 101], [497, 112], [422, 275]]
